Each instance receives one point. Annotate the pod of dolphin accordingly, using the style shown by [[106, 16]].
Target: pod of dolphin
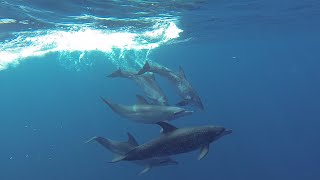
[[155, 109]]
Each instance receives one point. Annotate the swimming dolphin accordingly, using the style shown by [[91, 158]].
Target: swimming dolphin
[[147, 113], [175, 141], [185, 90], [147, 83], [121, 148]]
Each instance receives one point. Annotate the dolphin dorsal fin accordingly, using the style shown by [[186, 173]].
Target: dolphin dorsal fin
[[141, 99], [145, 68], [181, 73], [166, 127], [131, 140]]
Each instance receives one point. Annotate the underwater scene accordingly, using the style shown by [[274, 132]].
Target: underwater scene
[[154, 90]]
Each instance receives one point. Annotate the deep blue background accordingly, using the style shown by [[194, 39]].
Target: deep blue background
[[268, 94]]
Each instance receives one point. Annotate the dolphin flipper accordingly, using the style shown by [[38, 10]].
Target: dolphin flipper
[[203, 151], [146, 169]]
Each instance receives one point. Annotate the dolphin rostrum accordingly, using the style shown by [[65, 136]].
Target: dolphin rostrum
[[185, 90], [176, 141], [147, 83], [147, 113], [121, 148]]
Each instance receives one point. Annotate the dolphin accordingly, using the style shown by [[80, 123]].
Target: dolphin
[[121, 148], [174, 141], [185, 90], [147, 83], [147, 113]]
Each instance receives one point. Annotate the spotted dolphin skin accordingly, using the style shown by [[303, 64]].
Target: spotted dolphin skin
[[147, 113], [147, 83], [185, 90], [176, 141], [121, 148]]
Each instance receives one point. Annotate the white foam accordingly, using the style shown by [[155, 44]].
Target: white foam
[[83, 39]]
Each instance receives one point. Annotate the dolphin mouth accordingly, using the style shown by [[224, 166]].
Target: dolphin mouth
[[183, 113]]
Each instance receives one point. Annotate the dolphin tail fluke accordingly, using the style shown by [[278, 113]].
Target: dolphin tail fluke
[[145, 68], [90, 140], [105, 101], [145, 170], [117, 73], [118, 159], [102, 141]]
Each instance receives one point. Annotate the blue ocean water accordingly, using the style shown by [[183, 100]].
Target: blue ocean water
[[254, 63]]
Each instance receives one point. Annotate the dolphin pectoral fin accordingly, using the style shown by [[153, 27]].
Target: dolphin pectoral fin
[[118, 158], [117, 73], [203, 151], [145, 68], [182, 103], [166, 127], [141, 100], [131, 140], [161, 130], [146, 169], [181, 73]]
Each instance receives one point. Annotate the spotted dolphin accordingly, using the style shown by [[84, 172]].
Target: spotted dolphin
[[147, 113], [185, 90], [176, 141], [121, 148], [147, 83]]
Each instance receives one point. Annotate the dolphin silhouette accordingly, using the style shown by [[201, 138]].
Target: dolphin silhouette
[[147, 113], [121, 148], [185, 89], [147, 83], [176, 141]]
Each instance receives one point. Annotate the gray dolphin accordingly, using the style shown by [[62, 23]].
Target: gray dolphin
[[121, 148], [147, 113], [175, 141], [185, 90], [147, 83]]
